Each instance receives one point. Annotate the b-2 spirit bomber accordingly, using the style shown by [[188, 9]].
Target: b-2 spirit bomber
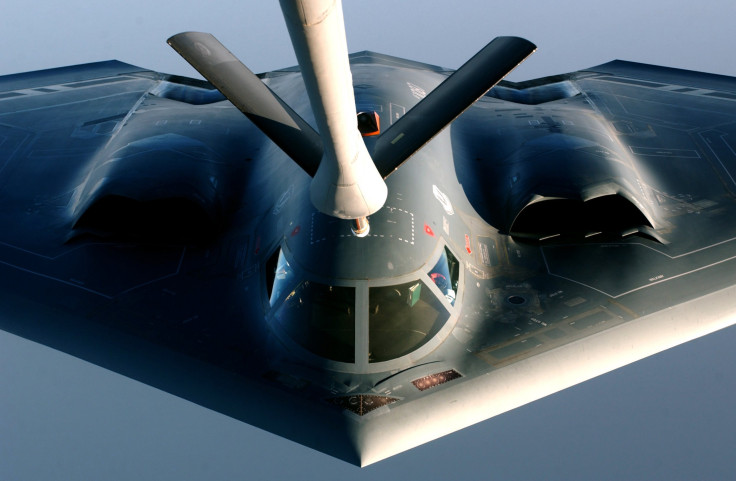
[[364, 253]]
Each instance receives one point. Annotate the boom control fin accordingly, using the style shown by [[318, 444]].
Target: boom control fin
[[252, 97], [451, 98]]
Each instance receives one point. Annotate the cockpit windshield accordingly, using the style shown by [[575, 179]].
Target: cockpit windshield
[[320, 317], [401, 319]]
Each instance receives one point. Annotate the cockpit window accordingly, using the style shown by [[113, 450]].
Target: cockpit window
[[445, 275], [401, 319], [283, 279], [320, 317]]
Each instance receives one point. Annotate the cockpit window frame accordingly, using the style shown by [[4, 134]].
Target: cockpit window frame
[[362, 288], [423, 314], [422, 274], [454, 284]]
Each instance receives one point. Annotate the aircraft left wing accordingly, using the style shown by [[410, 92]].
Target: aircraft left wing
[[97, 176]]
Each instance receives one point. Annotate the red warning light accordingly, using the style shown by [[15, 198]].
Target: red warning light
[[296, 230], [467, 244], [428, 230]]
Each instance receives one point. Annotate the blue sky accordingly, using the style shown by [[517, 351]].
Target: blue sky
[[670, 416]]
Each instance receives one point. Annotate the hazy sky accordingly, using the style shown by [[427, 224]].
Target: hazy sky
[[667, 417]]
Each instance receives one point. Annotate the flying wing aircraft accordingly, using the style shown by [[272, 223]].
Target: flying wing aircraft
[[557, 229]]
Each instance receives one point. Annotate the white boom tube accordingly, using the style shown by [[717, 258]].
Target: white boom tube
[[347, 184]]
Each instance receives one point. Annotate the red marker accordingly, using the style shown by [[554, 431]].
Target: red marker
[[467, 244], [428, 230], [296, 230]]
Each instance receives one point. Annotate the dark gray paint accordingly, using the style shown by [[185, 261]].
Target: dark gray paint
[[126, 304]]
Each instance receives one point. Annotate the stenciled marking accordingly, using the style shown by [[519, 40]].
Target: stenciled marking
[[313, 239], [396, 111], [417, 91], [283, 200], [709, 143], [443, 199], [651, 281]]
